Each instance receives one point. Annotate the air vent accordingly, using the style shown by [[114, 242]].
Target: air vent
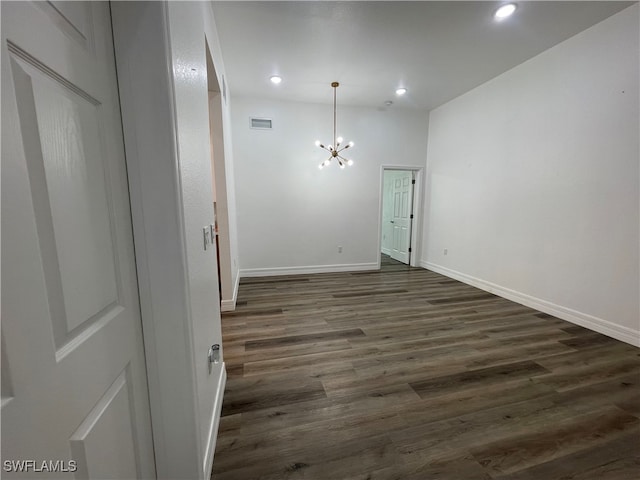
[[261, 123]]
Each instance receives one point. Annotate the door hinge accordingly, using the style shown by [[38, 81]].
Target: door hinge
[[409, 249], [413, 182], [411, 216]]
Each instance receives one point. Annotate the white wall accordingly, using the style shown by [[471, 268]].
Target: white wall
[[160, 53], [187, 37], [292, 216], [532, 181]]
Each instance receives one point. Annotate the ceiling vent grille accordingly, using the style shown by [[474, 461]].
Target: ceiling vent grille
[[261, 123]]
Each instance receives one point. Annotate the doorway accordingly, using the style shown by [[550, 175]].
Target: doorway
[[399, 201], [222, 240]]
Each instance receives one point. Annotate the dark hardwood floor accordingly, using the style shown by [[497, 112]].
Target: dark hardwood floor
[[407, 374]]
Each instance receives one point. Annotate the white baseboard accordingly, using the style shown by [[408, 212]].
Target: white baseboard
[[215, 423], [619, 332], [230, 305], [268, 272]]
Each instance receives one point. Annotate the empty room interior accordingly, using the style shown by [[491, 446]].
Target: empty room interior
[[343, 240], [478, 353]]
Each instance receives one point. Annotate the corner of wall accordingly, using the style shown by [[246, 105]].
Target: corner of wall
[[525, 205], [229, 305], [619, 332]]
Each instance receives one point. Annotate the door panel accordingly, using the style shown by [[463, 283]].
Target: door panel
[[74, 383], [401, 221], [62, 139], [108, 425], [72, 18]]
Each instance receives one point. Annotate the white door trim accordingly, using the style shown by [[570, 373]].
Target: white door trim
[[148, 97], [228, 289], [416, 226], [158, 310]]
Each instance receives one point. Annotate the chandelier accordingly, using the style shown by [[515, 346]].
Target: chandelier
[[335, 148]]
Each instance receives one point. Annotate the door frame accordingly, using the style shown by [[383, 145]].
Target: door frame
[[150, 109], [416, 209], [217, 100]]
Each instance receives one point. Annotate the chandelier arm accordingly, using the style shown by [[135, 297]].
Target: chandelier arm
[[346, 161]]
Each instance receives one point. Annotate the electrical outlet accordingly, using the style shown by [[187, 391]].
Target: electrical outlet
[[446, 250], [339, 248]]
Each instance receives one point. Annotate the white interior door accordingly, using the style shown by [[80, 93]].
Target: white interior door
[[74, 386], [402, 195]]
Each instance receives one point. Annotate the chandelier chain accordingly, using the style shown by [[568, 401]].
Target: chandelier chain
[[335, 89]]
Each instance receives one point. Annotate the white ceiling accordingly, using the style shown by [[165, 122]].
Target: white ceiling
[[438, 50]]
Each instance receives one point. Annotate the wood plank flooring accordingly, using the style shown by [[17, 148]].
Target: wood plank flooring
[[406, 374]]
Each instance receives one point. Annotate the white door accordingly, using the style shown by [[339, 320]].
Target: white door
[[74, 390], [402, 194]]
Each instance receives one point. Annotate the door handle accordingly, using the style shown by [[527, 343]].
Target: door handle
[[392, 221]]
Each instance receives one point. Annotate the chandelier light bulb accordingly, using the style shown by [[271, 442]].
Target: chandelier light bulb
[[318, 143], [351, 144], [339, 140], [349, 162]]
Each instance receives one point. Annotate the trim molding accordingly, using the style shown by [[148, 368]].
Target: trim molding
[[230, 305], [215, 423], [600, 325], [268, 272], [417, 207]]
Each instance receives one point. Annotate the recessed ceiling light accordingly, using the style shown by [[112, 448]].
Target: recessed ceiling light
[[275, 79], [401, 91], [505, 11]]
